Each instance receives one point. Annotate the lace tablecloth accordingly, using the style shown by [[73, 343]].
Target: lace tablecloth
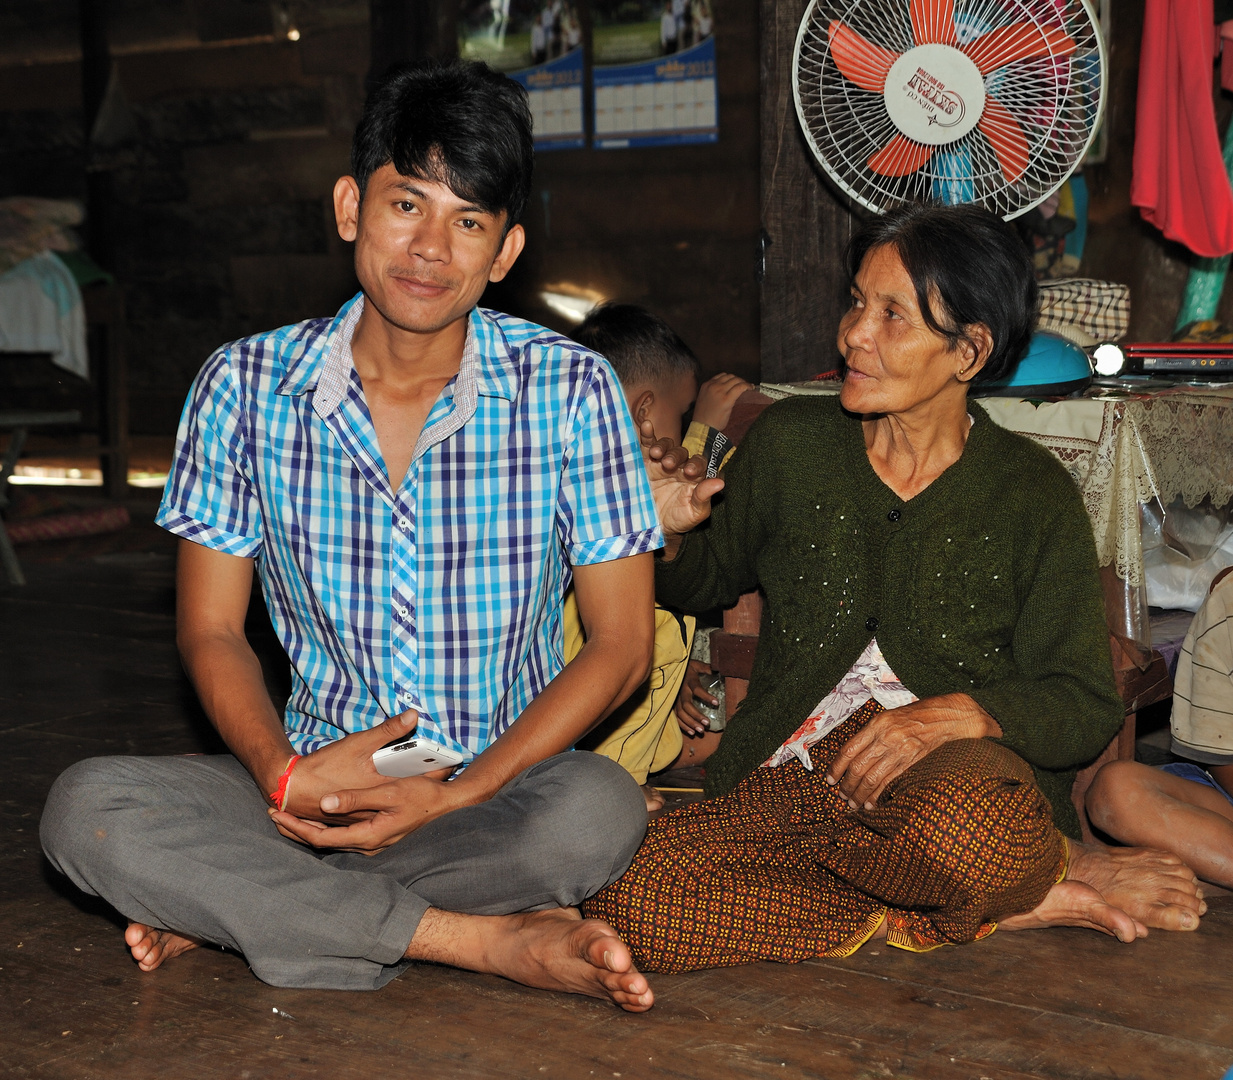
[[1123, 451]]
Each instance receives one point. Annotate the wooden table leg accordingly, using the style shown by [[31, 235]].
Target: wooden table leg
[[8, 557]]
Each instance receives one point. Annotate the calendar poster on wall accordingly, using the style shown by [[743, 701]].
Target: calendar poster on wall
[[537, 43], [654, 73]]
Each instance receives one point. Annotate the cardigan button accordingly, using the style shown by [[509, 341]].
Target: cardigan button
[[894, 515], [871, 624]]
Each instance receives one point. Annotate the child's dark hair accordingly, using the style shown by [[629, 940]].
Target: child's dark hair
[[457, 123], [641, 347]]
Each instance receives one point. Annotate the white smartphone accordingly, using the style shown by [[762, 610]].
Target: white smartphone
[[413, 756]]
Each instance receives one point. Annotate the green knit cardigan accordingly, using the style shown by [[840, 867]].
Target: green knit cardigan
[[985, 583]]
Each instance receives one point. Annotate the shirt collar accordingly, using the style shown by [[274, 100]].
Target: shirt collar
[[487, 361], [325, 365], [495, 363]]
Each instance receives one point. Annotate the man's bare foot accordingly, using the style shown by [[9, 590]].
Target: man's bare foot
[[1072, 903], [1153, 887], [151, 946], [654, 800], [549, 950]]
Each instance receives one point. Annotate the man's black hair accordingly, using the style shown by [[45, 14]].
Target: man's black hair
[[457, 123], [968, 266], [641, 347]]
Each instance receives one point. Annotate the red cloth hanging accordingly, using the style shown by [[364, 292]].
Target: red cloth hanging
[[1180, 183]]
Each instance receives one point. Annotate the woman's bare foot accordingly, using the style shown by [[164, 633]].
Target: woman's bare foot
[[151, 946], [654, 800], [549, 950], [1072, 903], [1153, 887]]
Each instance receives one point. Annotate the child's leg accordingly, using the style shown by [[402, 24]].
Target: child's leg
[[1147, 807]]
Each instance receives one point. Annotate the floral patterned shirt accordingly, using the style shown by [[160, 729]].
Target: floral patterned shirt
[[870, 677]]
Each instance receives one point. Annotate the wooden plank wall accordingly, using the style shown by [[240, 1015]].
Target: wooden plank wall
[[806, 222], [672, 228], [222, 220]]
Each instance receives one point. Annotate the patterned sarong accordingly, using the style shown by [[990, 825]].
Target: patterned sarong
[[781, 868]]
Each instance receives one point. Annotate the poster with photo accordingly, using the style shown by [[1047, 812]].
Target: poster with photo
[[537, 43], [654, 73]]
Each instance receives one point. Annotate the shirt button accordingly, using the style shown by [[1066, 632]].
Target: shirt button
[[407, 696], [894, 515], [871, 624], [404, 524]]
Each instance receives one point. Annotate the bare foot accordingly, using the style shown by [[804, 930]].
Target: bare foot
[[1072, 903], [559, 950], [549, 950], [151, 946], [654, 800], [1153, 887]]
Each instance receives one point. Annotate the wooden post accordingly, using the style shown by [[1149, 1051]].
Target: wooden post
[[95, 72], [104, 303], [805, 222], [105, 321]]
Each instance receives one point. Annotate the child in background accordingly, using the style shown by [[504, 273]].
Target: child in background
[[1185, 808], [705, 437], [659, 374]]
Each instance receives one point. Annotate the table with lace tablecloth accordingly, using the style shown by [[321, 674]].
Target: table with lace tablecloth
[[1124, 450], [1127, 450]]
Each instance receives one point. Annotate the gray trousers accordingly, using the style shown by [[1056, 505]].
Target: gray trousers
[[185, 844]]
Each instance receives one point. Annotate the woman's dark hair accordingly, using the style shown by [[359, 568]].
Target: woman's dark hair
[[969, 266], [457, 123], [640, 346]]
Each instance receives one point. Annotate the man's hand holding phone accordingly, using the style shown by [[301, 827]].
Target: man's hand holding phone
[[342, 765], [338, 801]]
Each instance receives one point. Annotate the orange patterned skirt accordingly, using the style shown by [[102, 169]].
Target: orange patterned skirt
[[781, 869]]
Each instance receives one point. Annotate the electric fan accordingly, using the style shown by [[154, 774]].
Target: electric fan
[[955, 101]]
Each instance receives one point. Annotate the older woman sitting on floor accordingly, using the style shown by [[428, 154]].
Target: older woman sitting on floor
[[933, 662]]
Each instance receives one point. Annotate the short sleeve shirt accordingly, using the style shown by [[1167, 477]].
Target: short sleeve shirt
[[1202, 720], [444, 594]]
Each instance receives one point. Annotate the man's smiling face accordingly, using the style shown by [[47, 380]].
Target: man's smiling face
[[423, 255]]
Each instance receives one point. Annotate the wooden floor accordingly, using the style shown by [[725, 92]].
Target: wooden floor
[[87, 666]]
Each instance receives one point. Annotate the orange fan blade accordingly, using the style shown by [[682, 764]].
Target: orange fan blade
[[1007, 137], [860, 60], [933, 22], [900, 157], [1020, 41]]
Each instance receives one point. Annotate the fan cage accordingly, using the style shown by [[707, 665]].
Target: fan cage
[[1059, 102]]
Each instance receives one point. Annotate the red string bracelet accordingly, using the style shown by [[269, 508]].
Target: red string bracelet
[[279, 795]]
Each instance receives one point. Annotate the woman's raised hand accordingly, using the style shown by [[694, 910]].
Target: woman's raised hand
[[679, 484]]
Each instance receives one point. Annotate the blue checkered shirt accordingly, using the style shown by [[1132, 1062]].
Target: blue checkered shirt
[[445, 594]]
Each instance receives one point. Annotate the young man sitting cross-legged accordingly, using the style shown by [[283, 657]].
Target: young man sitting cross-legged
[[416, 481]]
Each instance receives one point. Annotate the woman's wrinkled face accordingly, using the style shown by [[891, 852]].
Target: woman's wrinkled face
[[895, 362]]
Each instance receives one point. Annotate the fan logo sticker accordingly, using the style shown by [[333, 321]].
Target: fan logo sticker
[[935, 99], [934, 94]]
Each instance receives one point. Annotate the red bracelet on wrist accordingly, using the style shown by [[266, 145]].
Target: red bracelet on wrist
[[279, 795]]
